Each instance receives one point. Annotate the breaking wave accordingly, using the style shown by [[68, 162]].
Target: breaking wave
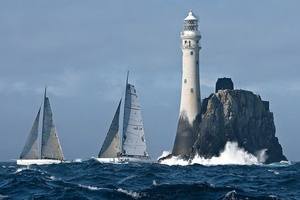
[[231, 155]]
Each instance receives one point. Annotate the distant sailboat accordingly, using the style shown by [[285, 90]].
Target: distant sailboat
[[51, 151], [133, 147]]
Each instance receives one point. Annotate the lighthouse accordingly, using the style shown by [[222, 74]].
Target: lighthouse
[[190, 104]]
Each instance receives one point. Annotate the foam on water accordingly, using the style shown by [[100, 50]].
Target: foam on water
[[3, 197], [275, 172], [52, 178], [19, 170], [22, 169], [154, 183], [232, 155], [130, 193], [174, 160], [280, 164], [90, 187], [126, 178]]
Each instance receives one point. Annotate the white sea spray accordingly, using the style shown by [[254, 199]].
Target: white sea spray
[[78, 160], [19, 170], [164, 154], [231, 155], [174, 160]]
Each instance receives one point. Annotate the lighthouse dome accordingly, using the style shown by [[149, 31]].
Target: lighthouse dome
[[190, 16]]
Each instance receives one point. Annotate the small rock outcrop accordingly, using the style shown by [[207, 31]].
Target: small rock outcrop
[[237, 116]]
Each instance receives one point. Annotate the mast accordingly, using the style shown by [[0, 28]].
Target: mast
[[123, 138], [127, 78]]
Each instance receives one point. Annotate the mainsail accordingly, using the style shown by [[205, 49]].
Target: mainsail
[[134, 142], [51, 148], [30, 150], [111, 144]]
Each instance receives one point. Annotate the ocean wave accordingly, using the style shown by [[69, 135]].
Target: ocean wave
[[233, 195], [3, 197], [131, 193], [275, 172], [91, 187], [20, 170], [94, 180], [126, 178]]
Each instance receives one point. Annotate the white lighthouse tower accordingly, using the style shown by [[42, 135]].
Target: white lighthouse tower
[[190, 105]]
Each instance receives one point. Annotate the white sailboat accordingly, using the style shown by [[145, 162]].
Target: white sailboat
[[133, 147], [51, 151]]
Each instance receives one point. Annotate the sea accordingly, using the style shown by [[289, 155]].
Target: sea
[[233, 175], [90, 179]]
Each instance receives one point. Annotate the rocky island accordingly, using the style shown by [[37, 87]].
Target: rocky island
[[237, 116]]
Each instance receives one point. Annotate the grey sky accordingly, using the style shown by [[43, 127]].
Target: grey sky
[[82, 50]]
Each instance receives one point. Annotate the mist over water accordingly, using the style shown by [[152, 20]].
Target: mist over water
[[231, 155]]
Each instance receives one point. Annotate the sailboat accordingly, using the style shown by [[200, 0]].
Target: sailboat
[[51, 151], [133, 148]]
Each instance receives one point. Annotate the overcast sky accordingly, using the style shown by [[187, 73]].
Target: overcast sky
[[82, 50]]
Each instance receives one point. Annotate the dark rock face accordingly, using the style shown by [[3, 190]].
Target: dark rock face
[[237, 116]]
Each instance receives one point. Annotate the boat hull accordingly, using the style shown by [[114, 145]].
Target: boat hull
[[108, 160], [136, 159], [37, 161], [126, 159]]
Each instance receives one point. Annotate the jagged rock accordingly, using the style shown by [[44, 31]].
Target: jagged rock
[[238, 116]]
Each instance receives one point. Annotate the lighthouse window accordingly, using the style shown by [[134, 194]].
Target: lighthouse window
[[192, 90], [197, 62], [191, 53], [185, 80]]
